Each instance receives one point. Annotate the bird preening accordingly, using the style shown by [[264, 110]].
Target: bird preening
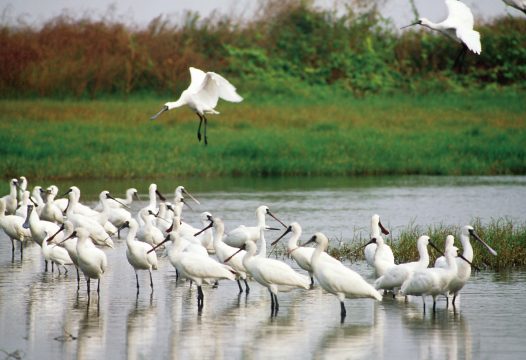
[[202, 95]]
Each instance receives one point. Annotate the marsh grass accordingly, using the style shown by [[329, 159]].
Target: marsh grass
[[377, 135], [506, 237]]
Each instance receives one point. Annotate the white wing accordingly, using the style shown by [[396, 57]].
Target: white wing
[[198, 77], [461, 19]]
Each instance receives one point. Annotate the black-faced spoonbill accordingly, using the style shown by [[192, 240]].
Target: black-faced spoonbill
[[275, 275], [432, 281], [70, 245], [394, 277], [337, 278], [240, 235], [517, 4], [13, 227], [302, 255], [11, 200], [137, 252], [56, 254], [464, 267], [202, 96], [383, 256], [224, 252], [458, 27], [92, 261], [370, 250]]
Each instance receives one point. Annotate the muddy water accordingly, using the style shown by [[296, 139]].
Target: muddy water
[[39, 310]]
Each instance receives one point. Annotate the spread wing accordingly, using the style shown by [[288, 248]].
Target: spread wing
[[461, 19]]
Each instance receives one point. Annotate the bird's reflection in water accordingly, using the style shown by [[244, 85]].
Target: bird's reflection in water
[[91, 341], [141, 326]]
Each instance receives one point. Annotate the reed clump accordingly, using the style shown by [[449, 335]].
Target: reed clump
[[505, 236]]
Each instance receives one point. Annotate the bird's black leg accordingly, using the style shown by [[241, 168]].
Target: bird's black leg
[[240, 288], [45, 261], [206, 139], [176, 275], [98, 287], [454, 298], [434, 306], [447, 302], [88, 282], [151, 280], [137, 278], [199, 129], [271, 304], [460, 58], [21, 250], [200, 298], [343, 312], [311, 281], [78, 280], [276, 306], [246, 286]]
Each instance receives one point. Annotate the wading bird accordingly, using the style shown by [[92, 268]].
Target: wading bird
[[11, 201], [432, 281], [458, 27], [370, 249], [202, 95], [137, 252], [13, 227], [337, 278], [464, 267]]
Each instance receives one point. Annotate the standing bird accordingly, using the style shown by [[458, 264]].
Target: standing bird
[[432, 281], [517, 4], [370, 249], [275, 275], [11, 201], [302, 255], [137, 252], [202, 96], [383, 256], [70, 245], [56, 254], [394, 277], [464, 268], [241, 234], [13, 227], [458, 27], [337, 278], [92, 260]]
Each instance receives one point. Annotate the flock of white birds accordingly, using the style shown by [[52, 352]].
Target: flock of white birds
[[71, 233]]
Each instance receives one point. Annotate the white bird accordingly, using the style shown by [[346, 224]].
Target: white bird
[[441, 261], [432, 281], [92, 261], [517, 4], [337, 278], [80, 209], [275, 275], [163, 224], [370, 249], [196, 267], [39, 228], [13, 227], [458, 26], [22, 186], [303, 255], [149, 233], [96, 231], [137, 252], [51, 212], [60, 202], [152, 193], [242, 234], [70, 245], [56, 254], [11, 201], [104, 216], [224, 252], [22, 208], [203, 237], [37, 198], [394, 277], [180, 191], [202, 96], [121, 203], [383, 256], [464, 268]]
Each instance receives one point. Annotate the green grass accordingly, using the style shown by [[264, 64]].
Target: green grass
[[506, 237], [447, 134]]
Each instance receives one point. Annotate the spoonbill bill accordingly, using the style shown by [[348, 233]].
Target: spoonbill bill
[[370, 249], [517, 4], [70, 245], [464, 267], [432, 281], [137, 252], [202, 95], [458, 26], [302, 255], [337, 278], [240, 235]]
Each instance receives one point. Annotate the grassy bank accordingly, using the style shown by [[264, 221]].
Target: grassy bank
[[506, 237], [453, 134]]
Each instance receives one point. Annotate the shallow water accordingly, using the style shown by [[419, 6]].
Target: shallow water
[[39, 309]]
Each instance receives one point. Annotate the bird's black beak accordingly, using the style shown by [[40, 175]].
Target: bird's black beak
[[373, 241], [160, 112], [289, 229], [417, 23]]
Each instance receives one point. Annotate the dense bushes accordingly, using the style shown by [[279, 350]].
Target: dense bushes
[[287, 46]]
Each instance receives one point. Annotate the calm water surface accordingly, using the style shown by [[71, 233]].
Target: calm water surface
[[39, 309]]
